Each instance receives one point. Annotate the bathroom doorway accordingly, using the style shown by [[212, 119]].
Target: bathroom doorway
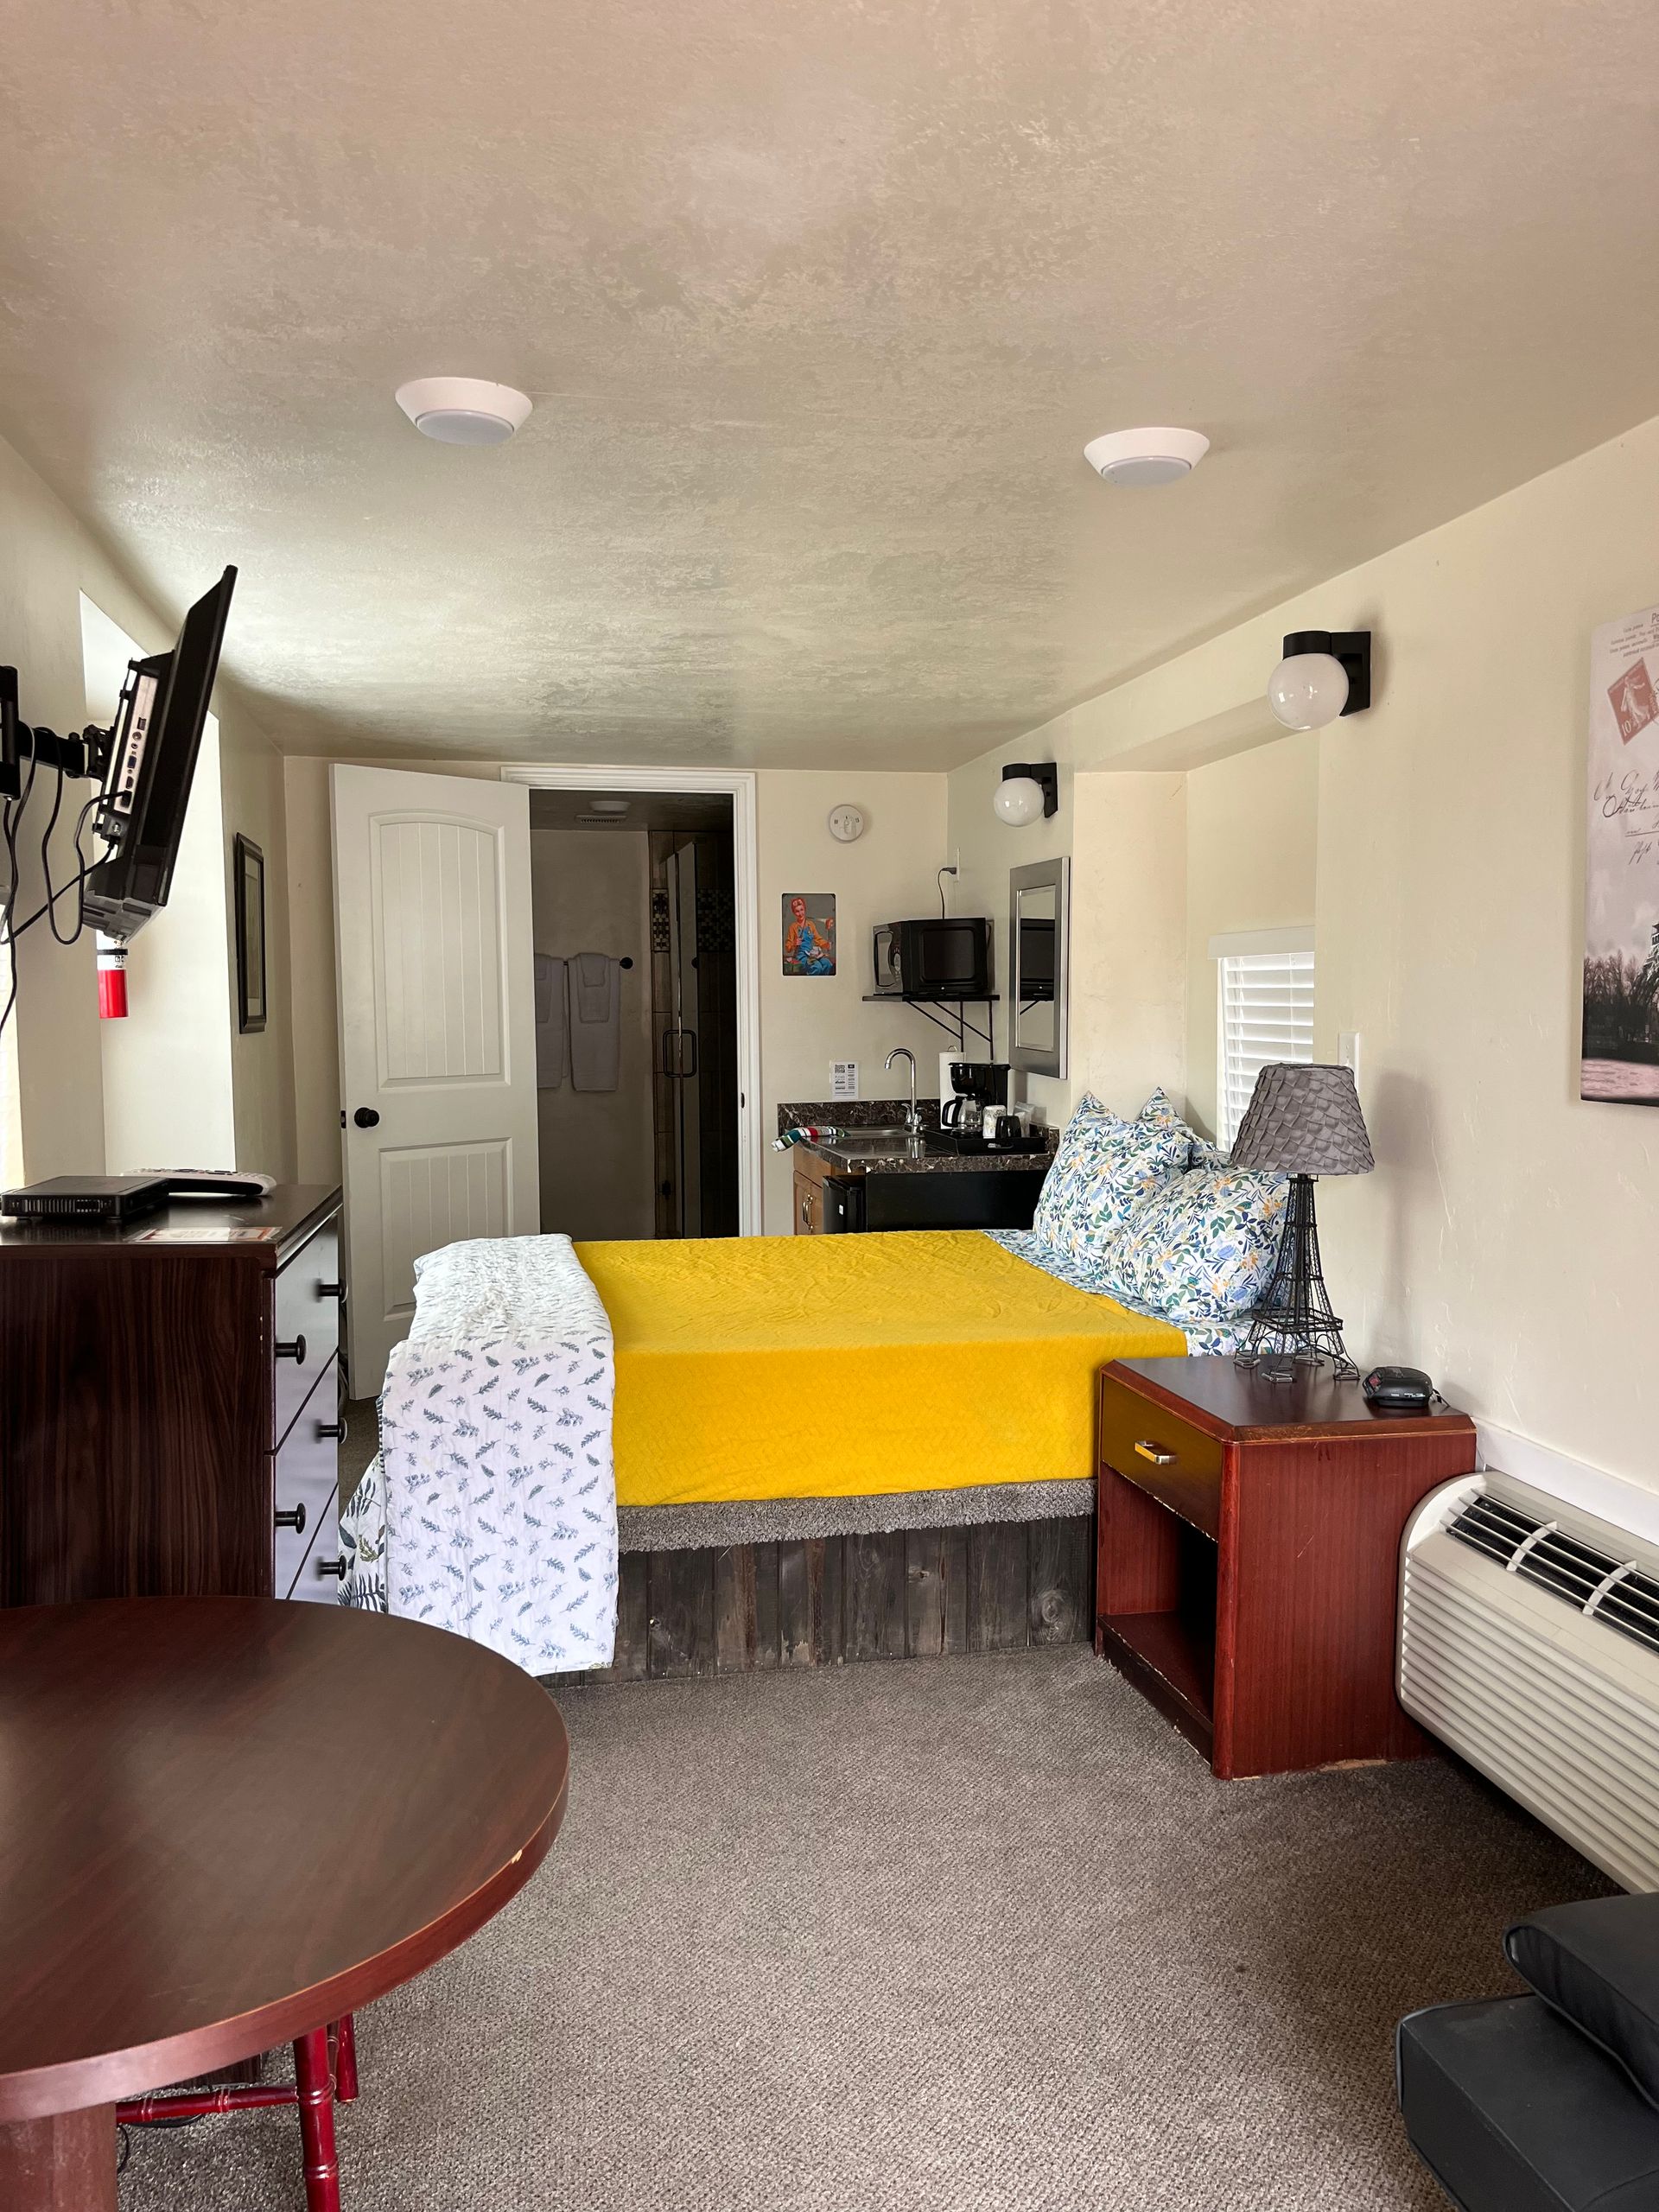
[[636, 940]]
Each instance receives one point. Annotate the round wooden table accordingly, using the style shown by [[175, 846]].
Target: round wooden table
[[225, 1823]]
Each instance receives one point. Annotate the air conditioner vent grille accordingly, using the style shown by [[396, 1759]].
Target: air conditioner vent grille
[[1596, 1583]]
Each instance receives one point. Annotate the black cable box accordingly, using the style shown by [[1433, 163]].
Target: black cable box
[[87, 1198]]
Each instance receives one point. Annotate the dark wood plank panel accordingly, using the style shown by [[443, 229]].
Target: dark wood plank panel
[[924, 1593], [683, 1612], [765, 1604], [632, 1659], [999, 1567], [1061, 1588], [876, 1595], [736, 1624], [795, 1647], [830, 1634], [953, 1557]]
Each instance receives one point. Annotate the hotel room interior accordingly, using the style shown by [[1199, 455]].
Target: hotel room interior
[[829, 1170]]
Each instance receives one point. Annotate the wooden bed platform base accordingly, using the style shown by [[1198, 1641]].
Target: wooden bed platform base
[[912, 1593]]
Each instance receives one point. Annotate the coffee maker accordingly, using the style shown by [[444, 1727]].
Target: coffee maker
[[974, 1085]]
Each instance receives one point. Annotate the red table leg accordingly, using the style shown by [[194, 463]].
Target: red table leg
[[316, 2089], [346, 2061], [65, 2163]]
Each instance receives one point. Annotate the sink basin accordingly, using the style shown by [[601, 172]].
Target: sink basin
[[875, 1144]]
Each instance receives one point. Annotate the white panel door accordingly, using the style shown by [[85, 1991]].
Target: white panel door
[[437, 1040]]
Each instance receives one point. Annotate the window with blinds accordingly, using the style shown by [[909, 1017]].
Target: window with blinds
[[1265, 1013]]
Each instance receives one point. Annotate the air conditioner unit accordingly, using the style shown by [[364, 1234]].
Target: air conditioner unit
[[1529, 1643]]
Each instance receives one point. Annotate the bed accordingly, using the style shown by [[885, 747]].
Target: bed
[[831, 1367]]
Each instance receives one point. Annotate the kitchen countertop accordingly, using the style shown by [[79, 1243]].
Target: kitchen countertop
[[889, 1113]]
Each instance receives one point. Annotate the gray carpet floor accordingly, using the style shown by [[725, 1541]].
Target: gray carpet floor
[[977, 1933]]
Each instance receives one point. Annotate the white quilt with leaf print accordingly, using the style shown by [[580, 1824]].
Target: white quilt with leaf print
[[495, 1438]]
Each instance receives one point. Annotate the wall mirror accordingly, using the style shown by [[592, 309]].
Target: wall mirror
[[1038, 900]]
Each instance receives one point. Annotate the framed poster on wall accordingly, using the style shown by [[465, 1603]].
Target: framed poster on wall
[[1620, 1046], [248, 876], [809, 933]]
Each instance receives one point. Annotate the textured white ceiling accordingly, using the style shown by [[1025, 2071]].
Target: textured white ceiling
[[818, 301]]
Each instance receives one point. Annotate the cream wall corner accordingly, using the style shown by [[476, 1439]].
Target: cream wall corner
[[889, 874]]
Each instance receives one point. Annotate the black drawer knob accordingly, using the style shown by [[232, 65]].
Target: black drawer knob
[[366, 1118], [332, 1290], [331, 1566], [296, 1520], [295, 1352], [336, 1429]]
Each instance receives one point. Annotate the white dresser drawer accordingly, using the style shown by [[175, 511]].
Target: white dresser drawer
[[305, 1482], [306, 1325]]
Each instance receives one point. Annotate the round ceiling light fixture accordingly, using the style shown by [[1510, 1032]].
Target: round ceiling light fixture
[[610, 805], [1157, 456], [463, 410]]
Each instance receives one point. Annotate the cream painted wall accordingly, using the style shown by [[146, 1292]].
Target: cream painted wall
[[1252, 847], [47, 560], [1126, 835], [590, 891], [1506, 1240], [262, 1062], [889, 874]]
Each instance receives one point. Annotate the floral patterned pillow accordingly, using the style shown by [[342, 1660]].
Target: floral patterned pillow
[[1201, 1247], [1103, 1167], [1201, 1153]]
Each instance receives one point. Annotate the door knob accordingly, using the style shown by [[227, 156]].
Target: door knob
[[296, 1520], [366, 1118]]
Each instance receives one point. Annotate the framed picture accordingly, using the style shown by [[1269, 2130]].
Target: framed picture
[[248, 876], [809, 933], [1619, 1061]]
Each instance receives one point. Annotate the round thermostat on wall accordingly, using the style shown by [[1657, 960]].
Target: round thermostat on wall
[[846, 824]]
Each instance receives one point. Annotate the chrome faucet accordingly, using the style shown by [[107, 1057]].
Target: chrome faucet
[[912, 1112]]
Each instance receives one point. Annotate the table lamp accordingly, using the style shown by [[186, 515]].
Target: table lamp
[[1301, 1121]]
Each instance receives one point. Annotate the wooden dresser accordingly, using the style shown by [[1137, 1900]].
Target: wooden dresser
[[1249, 1560], [170, 1403]]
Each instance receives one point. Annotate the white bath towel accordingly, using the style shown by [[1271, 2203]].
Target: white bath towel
[[550, 1021], [596, 1022]]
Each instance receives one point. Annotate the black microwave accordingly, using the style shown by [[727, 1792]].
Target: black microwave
[[939, 957]]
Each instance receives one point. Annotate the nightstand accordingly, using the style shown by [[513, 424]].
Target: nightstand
[[1248, 1557]]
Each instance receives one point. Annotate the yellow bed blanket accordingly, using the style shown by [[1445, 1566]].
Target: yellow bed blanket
[[763, 1367]]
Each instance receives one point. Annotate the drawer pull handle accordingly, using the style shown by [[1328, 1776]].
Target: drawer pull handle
[[331, 1566], [295, 1352], [296, 1520], [332, 1290], [332, 1431], [1156, 1454]]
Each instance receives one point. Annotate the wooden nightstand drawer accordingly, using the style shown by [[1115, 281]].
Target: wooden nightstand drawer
[[1161, 1454]]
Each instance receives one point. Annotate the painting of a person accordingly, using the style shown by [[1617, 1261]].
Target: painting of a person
[[809, 937]]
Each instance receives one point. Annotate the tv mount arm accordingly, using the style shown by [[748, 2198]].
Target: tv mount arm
[[84, 752]]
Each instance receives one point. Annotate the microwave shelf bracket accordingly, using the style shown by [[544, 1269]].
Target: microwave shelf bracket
[[961, 1028]]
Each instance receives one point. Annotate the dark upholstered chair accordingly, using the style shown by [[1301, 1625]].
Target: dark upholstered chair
[[1548, 2103]]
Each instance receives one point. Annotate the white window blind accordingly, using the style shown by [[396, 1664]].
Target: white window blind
[[1265, 1008]]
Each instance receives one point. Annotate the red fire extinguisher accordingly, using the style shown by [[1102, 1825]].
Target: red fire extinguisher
[[111, 979]]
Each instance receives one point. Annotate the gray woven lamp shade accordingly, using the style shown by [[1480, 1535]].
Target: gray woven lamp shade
[[1304, 1121]]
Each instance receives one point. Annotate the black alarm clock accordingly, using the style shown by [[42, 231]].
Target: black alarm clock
[[1399, 1390]]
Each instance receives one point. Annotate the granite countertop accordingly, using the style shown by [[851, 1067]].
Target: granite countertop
[[889, 1113]]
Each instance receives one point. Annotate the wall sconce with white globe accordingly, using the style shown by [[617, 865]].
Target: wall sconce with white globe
[[1323, 675], [1028, 791]]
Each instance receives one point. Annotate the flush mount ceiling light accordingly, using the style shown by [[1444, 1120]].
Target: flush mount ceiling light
[[1159, 456], [463, 410], [1028, 791], [610, 805], [1325, 674]]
